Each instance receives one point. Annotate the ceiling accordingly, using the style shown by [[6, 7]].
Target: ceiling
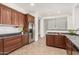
[[47, 9]]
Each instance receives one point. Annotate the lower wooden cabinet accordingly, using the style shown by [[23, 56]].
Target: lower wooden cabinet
[[71, 48], [56, 40], [25, 39], [75, 51], [50, 40], [68, 46], [60, 41], [12, 43], [1, 46]]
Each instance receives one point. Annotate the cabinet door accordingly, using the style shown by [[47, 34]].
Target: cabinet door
[[68, 46], [1, 46], [75, 51], [21, 19], [11, 44], [50, 40], [60, 41], [26, 25], [5, 15], [25, 39], [15, 17], [30, 18], [0, 14]]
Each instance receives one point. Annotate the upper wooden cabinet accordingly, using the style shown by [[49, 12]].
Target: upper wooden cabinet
[[30, 18], [10, 16], [15, 17], [0, 15], [5, 14], [21, 19]]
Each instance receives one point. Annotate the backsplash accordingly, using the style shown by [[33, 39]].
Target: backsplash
[[6, 30]]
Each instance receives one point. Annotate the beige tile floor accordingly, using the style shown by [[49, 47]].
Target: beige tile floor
[[38, 48]]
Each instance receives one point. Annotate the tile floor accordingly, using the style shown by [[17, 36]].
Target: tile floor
[[38, 48]]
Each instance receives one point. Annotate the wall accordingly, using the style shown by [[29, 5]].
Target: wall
[[44, 21], [76, 17]]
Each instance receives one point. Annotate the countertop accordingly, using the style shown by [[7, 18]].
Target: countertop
[[3, 36], [9, 35], [73, 38]]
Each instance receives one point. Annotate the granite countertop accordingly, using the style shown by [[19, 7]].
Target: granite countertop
[[3, 36], [73, 38], [9, 35]]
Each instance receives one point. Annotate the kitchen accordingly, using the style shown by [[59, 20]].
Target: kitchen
[[19, 29]]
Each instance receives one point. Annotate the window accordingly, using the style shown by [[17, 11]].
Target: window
[[57, 23]]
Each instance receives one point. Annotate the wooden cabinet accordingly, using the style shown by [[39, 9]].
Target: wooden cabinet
[[68, 46], [75, 51], [25, 39], [50, 40], [21, 19], [71, 48], [15, 17], [5, 15], [1, 46], [12, 43], [0, 14], [60, 41], [28, 19], [56, 40], [10, 16]]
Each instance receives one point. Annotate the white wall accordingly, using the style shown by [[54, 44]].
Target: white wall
[[76, 17], [14, 6], [69, 22], [42, 28]]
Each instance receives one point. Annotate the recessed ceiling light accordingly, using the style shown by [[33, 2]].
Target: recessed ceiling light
[[32, 4]]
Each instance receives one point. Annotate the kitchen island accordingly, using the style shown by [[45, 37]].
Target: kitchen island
[[64, 41]]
